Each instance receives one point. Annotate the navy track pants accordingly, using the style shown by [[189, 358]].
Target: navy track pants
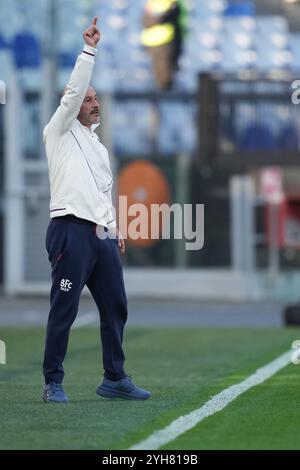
[[78, 258]]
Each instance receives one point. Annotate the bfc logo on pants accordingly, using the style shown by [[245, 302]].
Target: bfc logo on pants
[[65, 285]]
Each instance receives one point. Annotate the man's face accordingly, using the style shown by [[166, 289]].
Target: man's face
[[90, 109]]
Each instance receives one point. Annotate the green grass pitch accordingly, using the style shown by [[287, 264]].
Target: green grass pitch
[[183, 368]]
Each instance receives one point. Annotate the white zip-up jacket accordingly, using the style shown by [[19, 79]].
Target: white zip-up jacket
[[79, 167]]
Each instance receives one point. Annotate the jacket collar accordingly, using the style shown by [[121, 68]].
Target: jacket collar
[[94, 126]]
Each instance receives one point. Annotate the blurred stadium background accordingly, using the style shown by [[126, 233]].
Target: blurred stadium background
[[226, 135], [213, 137]]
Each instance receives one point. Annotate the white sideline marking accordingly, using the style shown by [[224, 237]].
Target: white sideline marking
[[86, 319], [217, 403]]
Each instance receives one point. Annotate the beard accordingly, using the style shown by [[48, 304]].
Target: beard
[[95, 117]]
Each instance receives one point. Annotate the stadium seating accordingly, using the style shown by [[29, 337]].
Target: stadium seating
[[289, 138], [242, 8], [257, 137], [223, 35]]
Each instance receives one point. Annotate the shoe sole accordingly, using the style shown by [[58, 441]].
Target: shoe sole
[[111, 394], [53, 401]]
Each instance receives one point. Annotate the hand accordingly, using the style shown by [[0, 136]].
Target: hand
[[92, 35], [121, 242]]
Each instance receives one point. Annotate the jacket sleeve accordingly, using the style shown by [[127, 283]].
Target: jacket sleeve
[[75, 92]]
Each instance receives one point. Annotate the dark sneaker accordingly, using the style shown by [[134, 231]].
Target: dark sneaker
[[124, 388], [54, 393]]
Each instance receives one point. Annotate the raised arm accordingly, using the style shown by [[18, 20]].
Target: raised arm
[[76, 89]]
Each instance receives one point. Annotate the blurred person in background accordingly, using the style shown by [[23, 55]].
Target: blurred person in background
[[80, 250], [163, 23]]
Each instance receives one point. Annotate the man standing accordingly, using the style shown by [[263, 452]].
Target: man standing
[[80, 250]]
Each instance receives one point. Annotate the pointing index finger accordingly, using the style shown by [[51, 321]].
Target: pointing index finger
[[95, 21]]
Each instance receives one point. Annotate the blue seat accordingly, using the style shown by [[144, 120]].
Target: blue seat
[[267, 25], [235, 58], [257, 137], [3, 43], [133, 139], [240, 24], [289, 138], [173, 118], [26, 50], [67, 60], [295, 49], [240, 8], [269, 57]]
